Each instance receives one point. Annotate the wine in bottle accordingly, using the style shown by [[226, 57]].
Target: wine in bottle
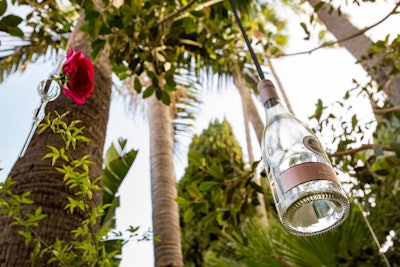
[[308, 195]]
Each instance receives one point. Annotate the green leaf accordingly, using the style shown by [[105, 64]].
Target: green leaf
[[343, 144], [205, 186], [3, 7], [111, 154], [137, 85], [191, 28], [220, 218], [15, 31], [37, 248], [307, 32], [354, 121], [63, 156], [11, 20], [216, 171], [122, 143], [25, 200], [39, 215], [188, 215], [3, 28], [196, 159], [117, 164], [318, 6], [382, 172], [148, 92], [91, 14], [193, 191], [43, 127], [181, 201], [121, 71], [319, 109], [197, 13], [98, 47], [165, 98], [104, 30], [54, 154], [27, 235], [170, 81], [113, 245], [395, 146]]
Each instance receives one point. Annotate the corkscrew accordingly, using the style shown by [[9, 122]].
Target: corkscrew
[[48, 90]]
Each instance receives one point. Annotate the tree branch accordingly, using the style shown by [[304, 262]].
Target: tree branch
[[394, 10], [353, 151], [176, 13], [170, 16], [386, 110]]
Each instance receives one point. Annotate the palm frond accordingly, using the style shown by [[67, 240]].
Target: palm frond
[[47, 27], [184, 108], [256, 246], [268, 244], [18, 57], [346, 244]]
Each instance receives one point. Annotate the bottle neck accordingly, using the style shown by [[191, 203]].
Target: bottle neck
[[271, 102], [270, 99], [273, 107]]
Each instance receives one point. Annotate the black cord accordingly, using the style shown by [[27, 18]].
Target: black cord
[[246, 39]]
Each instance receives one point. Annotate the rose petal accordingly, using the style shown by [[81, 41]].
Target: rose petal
[[79, 71], [77, 99]]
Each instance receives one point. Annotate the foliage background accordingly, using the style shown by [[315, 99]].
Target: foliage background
[[325, 74]]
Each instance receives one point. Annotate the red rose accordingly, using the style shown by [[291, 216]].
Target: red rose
[[79, 73]]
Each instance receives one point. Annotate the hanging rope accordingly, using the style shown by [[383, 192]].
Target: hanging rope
[[246, 39], [371, 230]]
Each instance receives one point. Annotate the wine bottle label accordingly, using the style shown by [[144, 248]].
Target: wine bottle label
[[312, 144], [306, 172]]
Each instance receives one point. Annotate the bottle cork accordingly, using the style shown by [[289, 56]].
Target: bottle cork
[[266, 90]]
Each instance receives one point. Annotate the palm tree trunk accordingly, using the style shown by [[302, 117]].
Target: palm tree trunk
[[341, 28], [251, 109], [245, 97], [38, 176], [167, 244], [247, 105], [279, 83]]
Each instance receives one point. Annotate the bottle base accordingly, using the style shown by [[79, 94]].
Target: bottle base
[[316, 214]]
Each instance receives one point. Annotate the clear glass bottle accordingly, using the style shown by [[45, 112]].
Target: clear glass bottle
[[308, 195]]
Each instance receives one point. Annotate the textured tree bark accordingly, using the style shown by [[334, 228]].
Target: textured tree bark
[[167, 251], [250, 107], [341, 28], [38, 176], [251, 115], [245, 97]]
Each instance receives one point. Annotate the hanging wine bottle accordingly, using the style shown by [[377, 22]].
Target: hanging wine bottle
[[309, 197]]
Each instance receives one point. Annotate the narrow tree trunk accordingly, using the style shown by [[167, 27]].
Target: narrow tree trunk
[[245, 97], [166, 229], [38, 176], [248, 113], [251, 108], [341, 28], [253, 113], [280, 85]]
